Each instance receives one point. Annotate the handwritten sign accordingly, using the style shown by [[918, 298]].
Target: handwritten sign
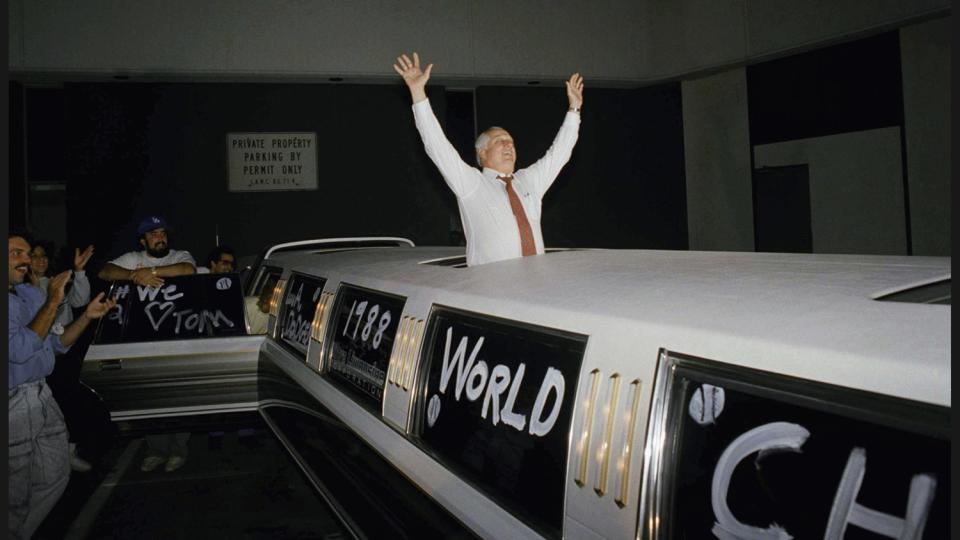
[[498, 406], [184, 307], [272, 161], [365, 324], [761, 461], [297, 311]]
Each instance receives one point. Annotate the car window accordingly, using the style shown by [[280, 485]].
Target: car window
[[185, 307]]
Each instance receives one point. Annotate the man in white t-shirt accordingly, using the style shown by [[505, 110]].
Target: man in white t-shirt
[[154, 262], [148, 268]]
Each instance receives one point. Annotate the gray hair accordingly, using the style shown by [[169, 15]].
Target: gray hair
[[483, 141]]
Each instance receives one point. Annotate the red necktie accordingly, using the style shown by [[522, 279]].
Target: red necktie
[[526, 233]]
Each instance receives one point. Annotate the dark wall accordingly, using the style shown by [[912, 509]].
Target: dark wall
[[134, 149], [18, 189], [624, 186], [137, 149], [848, 87]]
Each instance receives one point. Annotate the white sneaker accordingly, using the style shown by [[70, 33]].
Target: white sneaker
[[174, 463], [150, 463], [77, 463]]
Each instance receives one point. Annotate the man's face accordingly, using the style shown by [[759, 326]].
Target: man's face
[[19, 260], [155, 242], [500, 154], [226, 264], [39, 262]]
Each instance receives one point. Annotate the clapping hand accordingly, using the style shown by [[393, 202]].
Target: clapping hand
[[56, 287], [98, 307]]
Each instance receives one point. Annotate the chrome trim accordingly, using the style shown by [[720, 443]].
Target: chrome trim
[[320, 242], [396, 355], [277, 296], [583, 446], [603, 459], [416, 335], [626, 453], [652, 484]]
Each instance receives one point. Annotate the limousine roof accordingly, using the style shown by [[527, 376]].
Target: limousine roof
[[810, 316]]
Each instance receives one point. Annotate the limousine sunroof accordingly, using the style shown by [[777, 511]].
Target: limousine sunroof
[[936, 292], [460, 261], [457, 261]]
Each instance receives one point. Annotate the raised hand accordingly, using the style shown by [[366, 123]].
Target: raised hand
[[415, 78], [98, 307], [55, 289], [575, 91], [80, 259]]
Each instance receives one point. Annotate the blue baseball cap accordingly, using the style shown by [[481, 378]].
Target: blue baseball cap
[[150, 223]]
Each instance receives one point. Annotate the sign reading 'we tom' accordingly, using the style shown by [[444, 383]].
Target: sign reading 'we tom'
[[272, 161]]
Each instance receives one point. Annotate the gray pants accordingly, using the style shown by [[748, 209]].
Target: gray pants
[[166, 445], [39, 457]]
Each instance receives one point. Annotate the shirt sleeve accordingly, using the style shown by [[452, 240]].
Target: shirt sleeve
[[30, 357], [184, 256], [127, 261], [79, 294], [458, 175], [540, 175]]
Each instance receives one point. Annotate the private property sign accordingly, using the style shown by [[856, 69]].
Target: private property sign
[[272, 161]]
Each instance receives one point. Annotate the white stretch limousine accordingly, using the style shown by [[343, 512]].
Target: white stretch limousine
[[606, 393]]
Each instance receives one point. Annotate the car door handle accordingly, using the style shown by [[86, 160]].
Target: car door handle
[[108, 365]]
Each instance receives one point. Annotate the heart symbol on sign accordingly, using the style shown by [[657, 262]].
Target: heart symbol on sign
[[149, 311]]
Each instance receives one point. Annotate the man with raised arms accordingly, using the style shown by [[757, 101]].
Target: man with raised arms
[[500, 208]]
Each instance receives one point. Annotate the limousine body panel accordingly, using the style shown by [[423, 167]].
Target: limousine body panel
[[175, 378], [810, 317]]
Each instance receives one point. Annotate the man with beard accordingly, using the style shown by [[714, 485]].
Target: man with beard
[[148, 267], [156, 261], [38, 454]]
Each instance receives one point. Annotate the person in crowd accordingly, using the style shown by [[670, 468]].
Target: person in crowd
[[38, 454], [77, 296], [499, 207], [221, 260], [258, 310], [148, 267]]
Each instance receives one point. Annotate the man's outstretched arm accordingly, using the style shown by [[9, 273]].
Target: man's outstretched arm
[[457, 174], [542, 173]]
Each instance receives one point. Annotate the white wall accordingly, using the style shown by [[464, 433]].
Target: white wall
[[609, 41], [716, 141], [925, 58], [856, 189]]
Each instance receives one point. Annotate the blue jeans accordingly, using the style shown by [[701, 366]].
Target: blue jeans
[[39, 458]]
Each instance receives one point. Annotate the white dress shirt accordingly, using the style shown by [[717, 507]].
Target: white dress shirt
[[488, 222]]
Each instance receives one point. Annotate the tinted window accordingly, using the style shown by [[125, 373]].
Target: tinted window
[[364, 326], [497, 409], [185, 307], [768, 450], [297, 311]]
